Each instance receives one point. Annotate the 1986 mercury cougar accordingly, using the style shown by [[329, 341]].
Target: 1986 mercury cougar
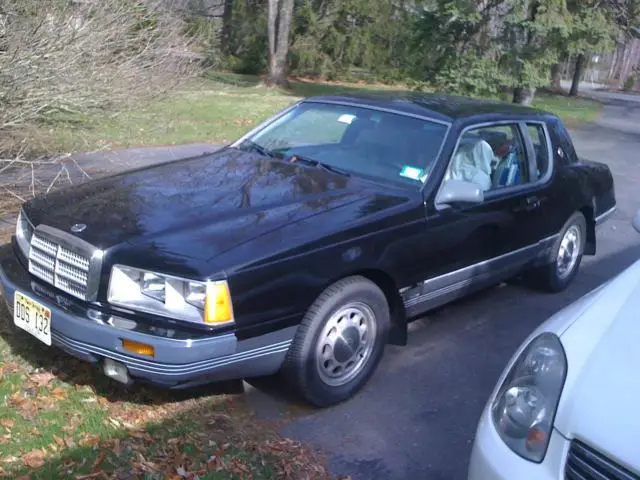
[[306, 245]]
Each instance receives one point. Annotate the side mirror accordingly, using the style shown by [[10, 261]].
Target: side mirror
[[636, 221], [454, 191]]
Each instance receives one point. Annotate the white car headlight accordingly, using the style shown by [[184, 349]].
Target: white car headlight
[[525, 406], [207, 303], [24, 232]]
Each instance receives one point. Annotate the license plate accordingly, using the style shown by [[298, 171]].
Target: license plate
[[33, 317]]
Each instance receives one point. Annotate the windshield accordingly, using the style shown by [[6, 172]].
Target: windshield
[[354, 140]]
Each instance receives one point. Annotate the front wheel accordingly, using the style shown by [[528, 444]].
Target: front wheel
[[340, 342], [565, 257]]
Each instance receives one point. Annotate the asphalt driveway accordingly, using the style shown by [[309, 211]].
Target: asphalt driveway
[[417, 417]]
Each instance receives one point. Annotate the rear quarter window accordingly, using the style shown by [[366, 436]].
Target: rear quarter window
[[564, 151]]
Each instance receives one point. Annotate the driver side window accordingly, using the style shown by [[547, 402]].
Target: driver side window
[[492, 157]]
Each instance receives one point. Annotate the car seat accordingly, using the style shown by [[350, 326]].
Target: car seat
[[472, 163], [508, 171]]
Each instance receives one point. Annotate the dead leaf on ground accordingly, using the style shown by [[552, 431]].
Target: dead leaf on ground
[[34, 458], [59, 393], [99, 460], [90, 475], [7, 423], [42, 379], [89, 440]]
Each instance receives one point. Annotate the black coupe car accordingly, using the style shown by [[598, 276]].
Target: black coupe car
[[306, 245]]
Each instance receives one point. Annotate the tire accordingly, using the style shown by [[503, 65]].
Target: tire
[[555, 275], [326, 369]]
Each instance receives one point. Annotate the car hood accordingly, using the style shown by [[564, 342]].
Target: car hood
[[600, 397], [217, 201]]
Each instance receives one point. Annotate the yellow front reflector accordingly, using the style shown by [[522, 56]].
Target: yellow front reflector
[[217, 304], [139, 348]]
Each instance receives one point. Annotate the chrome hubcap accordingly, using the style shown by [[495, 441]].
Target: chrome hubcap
[[568, 252], [345, 343]]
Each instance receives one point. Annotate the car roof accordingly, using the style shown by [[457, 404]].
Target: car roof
[[448, 108]]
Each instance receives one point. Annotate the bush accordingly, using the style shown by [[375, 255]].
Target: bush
[[60, 57], [630, 83]]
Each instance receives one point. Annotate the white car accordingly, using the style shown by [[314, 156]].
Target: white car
[[568, 404]]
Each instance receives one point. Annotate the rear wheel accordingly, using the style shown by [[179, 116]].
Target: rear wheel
[[564, 259], [340, 342]]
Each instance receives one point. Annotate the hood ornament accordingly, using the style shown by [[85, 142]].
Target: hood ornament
[[78, 227]]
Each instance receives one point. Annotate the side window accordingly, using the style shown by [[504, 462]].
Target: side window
[[540, 146], [493, 157]]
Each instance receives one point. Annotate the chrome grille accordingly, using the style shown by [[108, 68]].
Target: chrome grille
[[64, 261], [585, 463]]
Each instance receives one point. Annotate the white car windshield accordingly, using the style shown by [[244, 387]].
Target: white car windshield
[[354, 140]]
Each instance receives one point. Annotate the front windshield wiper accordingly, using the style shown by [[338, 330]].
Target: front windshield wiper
[[250, 145], [317, 163]]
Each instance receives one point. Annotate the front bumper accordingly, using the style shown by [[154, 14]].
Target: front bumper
[[181, 359], [491, 459]]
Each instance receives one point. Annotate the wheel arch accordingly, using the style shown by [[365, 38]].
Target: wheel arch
[[589, 214]]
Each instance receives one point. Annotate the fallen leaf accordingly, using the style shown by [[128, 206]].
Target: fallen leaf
[[89, 440], [99, 460], [16, 400], [116, 447], [42, 379], [33, 459], [59, 393], [7, 423], [90, 475], [58, 440]]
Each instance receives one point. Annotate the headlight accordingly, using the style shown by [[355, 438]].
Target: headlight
[[206, 303], [24, 231], [525, 407]]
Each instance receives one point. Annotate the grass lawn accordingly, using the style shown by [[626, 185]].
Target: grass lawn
[[220, 107], [60, 418]]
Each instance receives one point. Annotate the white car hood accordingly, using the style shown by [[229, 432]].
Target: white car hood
[[600, 400]]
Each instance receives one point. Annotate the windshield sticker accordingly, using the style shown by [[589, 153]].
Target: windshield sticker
[[346, 118], [411, 172]]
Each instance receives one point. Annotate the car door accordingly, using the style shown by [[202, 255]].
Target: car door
[[472, 245]]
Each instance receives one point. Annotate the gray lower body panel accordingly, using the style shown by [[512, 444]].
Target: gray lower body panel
[[443, 289]]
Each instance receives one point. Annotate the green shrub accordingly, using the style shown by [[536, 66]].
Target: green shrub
[[630, 82]]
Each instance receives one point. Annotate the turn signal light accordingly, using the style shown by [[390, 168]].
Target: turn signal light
[[217, 304], [139, 348]]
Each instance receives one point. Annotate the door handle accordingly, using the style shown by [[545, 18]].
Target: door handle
[[530, 203]]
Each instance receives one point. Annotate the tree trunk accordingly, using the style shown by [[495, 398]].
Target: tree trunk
[[556, 76], [523, 95], [227, 18], [577, 76], [279, 25]]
